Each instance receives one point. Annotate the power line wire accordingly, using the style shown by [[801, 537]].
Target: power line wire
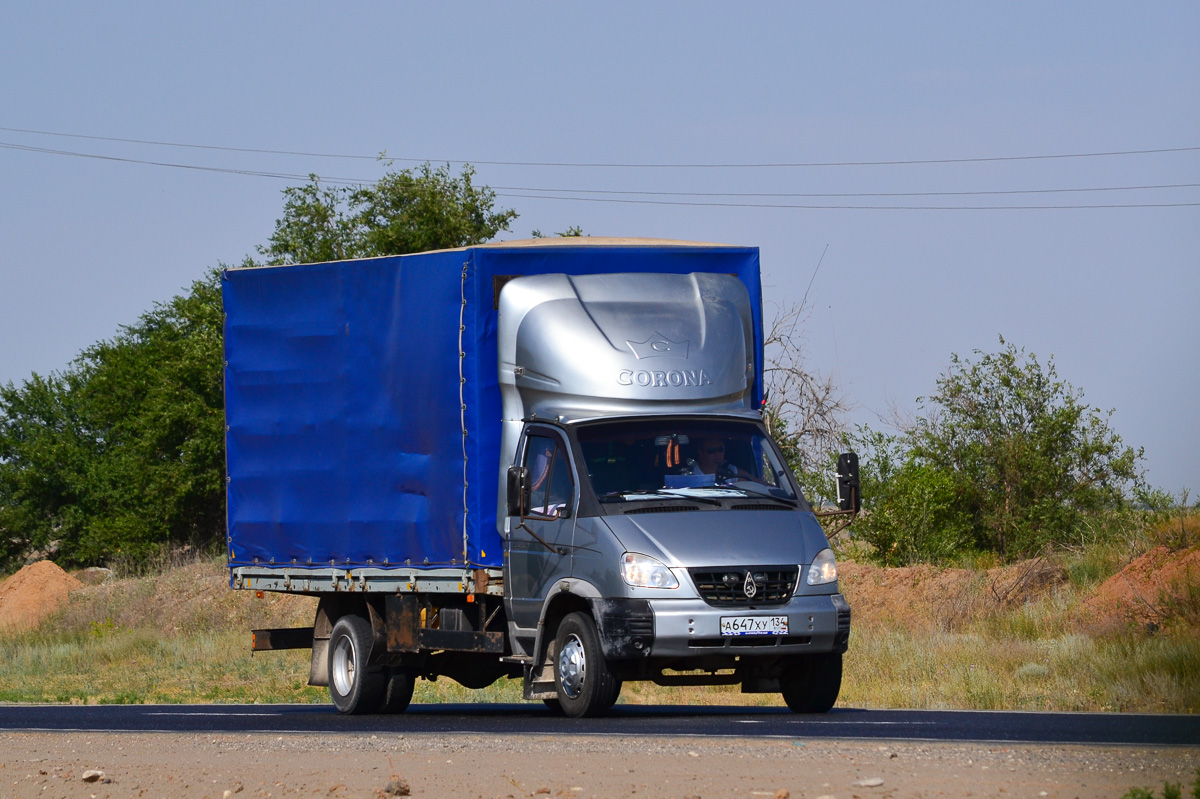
[[196, 167], [854, 207], [189, 146], [563, 194], [775, 165], [851, 194], [625, 192]]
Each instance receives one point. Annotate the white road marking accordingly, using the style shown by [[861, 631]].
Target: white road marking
[[827, 721], [212, 715]]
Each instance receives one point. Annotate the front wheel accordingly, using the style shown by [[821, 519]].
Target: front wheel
[[584, 684], [354, 686], [812, 682]]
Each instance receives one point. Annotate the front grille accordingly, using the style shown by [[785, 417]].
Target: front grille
[[726, 586]]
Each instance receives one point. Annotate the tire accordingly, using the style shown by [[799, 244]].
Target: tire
[[398, 690], [555, 706], [354, 685], [812, 682], [584, 684]]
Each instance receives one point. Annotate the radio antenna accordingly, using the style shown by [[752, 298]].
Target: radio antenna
[[804, 301]]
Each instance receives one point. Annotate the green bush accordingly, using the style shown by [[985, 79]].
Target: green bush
[[1005, 458], [918, 517]]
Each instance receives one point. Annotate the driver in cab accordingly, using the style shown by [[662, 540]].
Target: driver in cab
[[710, 459]]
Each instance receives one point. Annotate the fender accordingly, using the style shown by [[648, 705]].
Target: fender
[[625, 626], [569, 594]]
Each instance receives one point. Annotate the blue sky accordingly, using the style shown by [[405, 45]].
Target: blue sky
[[1111, 293]]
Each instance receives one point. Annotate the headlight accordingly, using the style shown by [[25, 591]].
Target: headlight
[[643, 571], [823, 569]]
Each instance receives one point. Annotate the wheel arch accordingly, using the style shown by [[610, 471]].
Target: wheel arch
[[557, 608], [330, 608]]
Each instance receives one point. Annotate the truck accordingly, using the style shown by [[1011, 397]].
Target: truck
[[542, 460]]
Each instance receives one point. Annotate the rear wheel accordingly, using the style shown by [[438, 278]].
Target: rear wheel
[[398, 690], [354, 685], [585, 685], [812, 682]]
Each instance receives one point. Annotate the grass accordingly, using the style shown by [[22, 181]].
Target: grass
[[136, 666], [181, 636], [1170, 790], [970, 670]]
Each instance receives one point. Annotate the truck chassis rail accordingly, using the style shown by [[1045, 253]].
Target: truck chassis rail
[[366, 580]]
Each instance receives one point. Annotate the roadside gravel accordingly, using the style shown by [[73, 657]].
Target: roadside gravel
[[268, 766]]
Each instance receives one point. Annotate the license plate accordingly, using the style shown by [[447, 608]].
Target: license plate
[[754, 625]]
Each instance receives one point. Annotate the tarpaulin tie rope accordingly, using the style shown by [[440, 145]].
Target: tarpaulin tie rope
[[462, 402]]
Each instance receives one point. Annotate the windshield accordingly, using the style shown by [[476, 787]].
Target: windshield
[[682, 457]]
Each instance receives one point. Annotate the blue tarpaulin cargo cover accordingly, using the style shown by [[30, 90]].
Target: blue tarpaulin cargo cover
[[363, 405]]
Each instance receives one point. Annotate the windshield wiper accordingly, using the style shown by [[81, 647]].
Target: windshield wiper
[[612, 496], [674, 492], [791, 503], [749, 489]]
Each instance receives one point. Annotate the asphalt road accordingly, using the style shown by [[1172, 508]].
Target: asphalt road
[[741, 722]]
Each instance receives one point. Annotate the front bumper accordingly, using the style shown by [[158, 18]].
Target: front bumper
[[682, 628]]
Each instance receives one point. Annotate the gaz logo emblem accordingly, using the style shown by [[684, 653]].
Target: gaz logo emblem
[[750, 588]]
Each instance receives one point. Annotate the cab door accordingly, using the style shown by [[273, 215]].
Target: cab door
[[539, 549]]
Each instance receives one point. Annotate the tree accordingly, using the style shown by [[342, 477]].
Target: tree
[[804, 410], [124, 451], [1028, 455], [42, 462], [1003, 457], [572, 232], [404, 212]]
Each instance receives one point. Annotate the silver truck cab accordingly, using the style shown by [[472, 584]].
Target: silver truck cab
[[652, 529]]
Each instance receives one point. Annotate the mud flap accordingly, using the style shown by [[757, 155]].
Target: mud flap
[[318, 669]]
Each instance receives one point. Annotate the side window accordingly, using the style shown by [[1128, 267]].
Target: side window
[[763, 462], [549, 474]]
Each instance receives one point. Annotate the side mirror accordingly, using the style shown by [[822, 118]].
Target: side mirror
[[848, 494], [518, 491]]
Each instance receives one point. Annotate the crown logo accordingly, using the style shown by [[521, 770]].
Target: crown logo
[[658, 346]]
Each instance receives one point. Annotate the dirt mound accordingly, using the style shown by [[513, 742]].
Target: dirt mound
[[921, 596], [1157, 588], [33, 593], [912, 597]]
